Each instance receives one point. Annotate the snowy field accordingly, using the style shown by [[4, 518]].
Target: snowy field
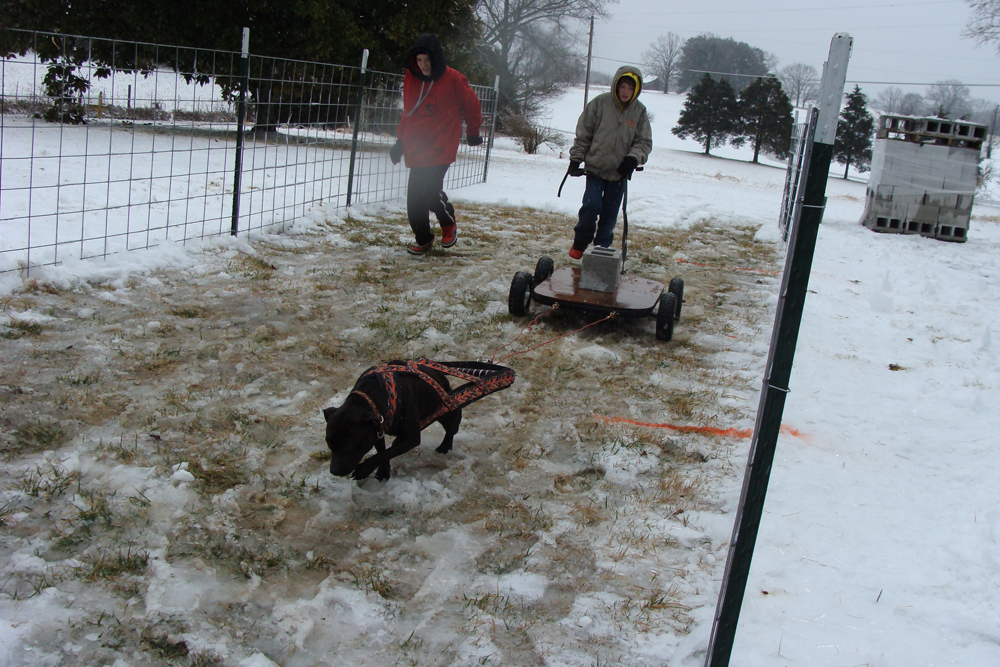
[[880, 542]]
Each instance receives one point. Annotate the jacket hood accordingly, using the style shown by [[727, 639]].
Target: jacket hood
[[631, 72], [429, 44]]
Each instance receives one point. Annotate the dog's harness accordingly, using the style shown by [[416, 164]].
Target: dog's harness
[[481, 380]]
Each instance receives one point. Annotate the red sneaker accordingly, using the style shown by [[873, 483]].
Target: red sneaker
[[420, 249], [449, 235], [574, 253]]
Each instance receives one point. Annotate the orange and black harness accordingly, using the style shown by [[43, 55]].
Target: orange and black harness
[[481, 379]]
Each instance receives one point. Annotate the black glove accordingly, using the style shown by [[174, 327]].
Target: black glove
[[627, 166], [474, 140], [575, 169], [396, 152]]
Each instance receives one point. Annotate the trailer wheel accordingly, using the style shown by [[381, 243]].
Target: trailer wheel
[[543, 269], [677, 289], [665, 316], [520, 294]]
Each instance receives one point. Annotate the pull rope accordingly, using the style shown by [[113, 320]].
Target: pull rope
[[524, 330], [551, 340]]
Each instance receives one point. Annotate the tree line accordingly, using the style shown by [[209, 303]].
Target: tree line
[[677, 65], [760, 116], [531, 44]]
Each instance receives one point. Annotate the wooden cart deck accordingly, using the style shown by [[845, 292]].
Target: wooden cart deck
[[633, 296]]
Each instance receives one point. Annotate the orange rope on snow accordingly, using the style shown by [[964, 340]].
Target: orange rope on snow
[[702, 430], [728, 268]]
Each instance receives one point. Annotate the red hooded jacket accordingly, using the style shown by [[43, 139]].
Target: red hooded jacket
[[434, 107]]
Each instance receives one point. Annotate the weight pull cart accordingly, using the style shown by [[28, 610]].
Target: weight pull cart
[[629, 296]]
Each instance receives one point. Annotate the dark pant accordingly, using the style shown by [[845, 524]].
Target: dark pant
[[601, 201], [424, 195]]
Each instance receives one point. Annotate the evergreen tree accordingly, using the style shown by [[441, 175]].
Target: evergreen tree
[[710, 113], [707, 53], [765, 118], [853, 145]]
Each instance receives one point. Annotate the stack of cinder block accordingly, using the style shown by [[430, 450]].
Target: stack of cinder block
[[923, 177]]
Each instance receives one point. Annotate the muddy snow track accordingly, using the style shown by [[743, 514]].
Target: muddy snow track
[[165, 492]]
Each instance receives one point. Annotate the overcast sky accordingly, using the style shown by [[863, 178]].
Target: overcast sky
[[903, 42]]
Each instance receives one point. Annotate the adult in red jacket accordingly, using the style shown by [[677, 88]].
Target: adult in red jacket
[[436, 99]]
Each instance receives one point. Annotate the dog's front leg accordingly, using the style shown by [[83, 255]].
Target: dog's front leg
[[366, 467], [400, 445]]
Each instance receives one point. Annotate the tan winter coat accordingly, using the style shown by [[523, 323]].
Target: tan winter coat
[[606, 133]]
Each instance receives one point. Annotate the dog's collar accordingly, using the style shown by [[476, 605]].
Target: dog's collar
[[371, 403]]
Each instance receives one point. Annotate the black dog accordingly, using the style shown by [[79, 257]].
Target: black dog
[[386, 402]]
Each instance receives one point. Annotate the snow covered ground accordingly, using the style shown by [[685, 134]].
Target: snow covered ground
[[880, 542]]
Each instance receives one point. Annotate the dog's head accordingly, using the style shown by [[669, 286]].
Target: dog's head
[[351, 432]]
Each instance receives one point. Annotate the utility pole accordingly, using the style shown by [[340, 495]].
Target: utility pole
[[590, 48], [993, 133]]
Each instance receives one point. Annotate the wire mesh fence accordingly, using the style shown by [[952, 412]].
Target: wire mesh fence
[[798, 162], [108, 145]]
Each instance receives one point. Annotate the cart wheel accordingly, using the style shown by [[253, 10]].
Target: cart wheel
[[677, 289], [520, 294], [543, 269], [665, 316]]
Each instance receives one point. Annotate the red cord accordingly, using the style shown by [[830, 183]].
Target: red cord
[[551, 340]]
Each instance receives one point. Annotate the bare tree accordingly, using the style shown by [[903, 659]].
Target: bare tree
[[519, 35], [771, 60], [662, 56], [911, 104], [949, 99], [888, 99], [984, 26], [982, 111], [800, 82]]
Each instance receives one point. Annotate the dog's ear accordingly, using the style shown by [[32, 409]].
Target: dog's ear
[[329, 412]]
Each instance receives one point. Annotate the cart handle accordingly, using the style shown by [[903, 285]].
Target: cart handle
[[625, 220]]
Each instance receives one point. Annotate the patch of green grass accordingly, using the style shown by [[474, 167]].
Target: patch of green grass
[[39, 435], [168, 646], [257, 559], [187, 312], [255, 268], [47, 483], [110, 564], [97, 508], [118, 450], [5, 511], [377, 275], [78, 379], [371, 580], [20, 328], [218, 474], [27, 587], [161, 361]]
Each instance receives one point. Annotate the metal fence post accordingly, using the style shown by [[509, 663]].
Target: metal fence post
[[241, 114], [493, 125], [794, 287], [357, 126]]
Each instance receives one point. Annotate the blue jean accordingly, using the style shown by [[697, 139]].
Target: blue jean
[[601, 202]]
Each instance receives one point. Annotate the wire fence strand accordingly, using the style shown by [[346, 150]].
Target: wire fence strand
[[108, 145]]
